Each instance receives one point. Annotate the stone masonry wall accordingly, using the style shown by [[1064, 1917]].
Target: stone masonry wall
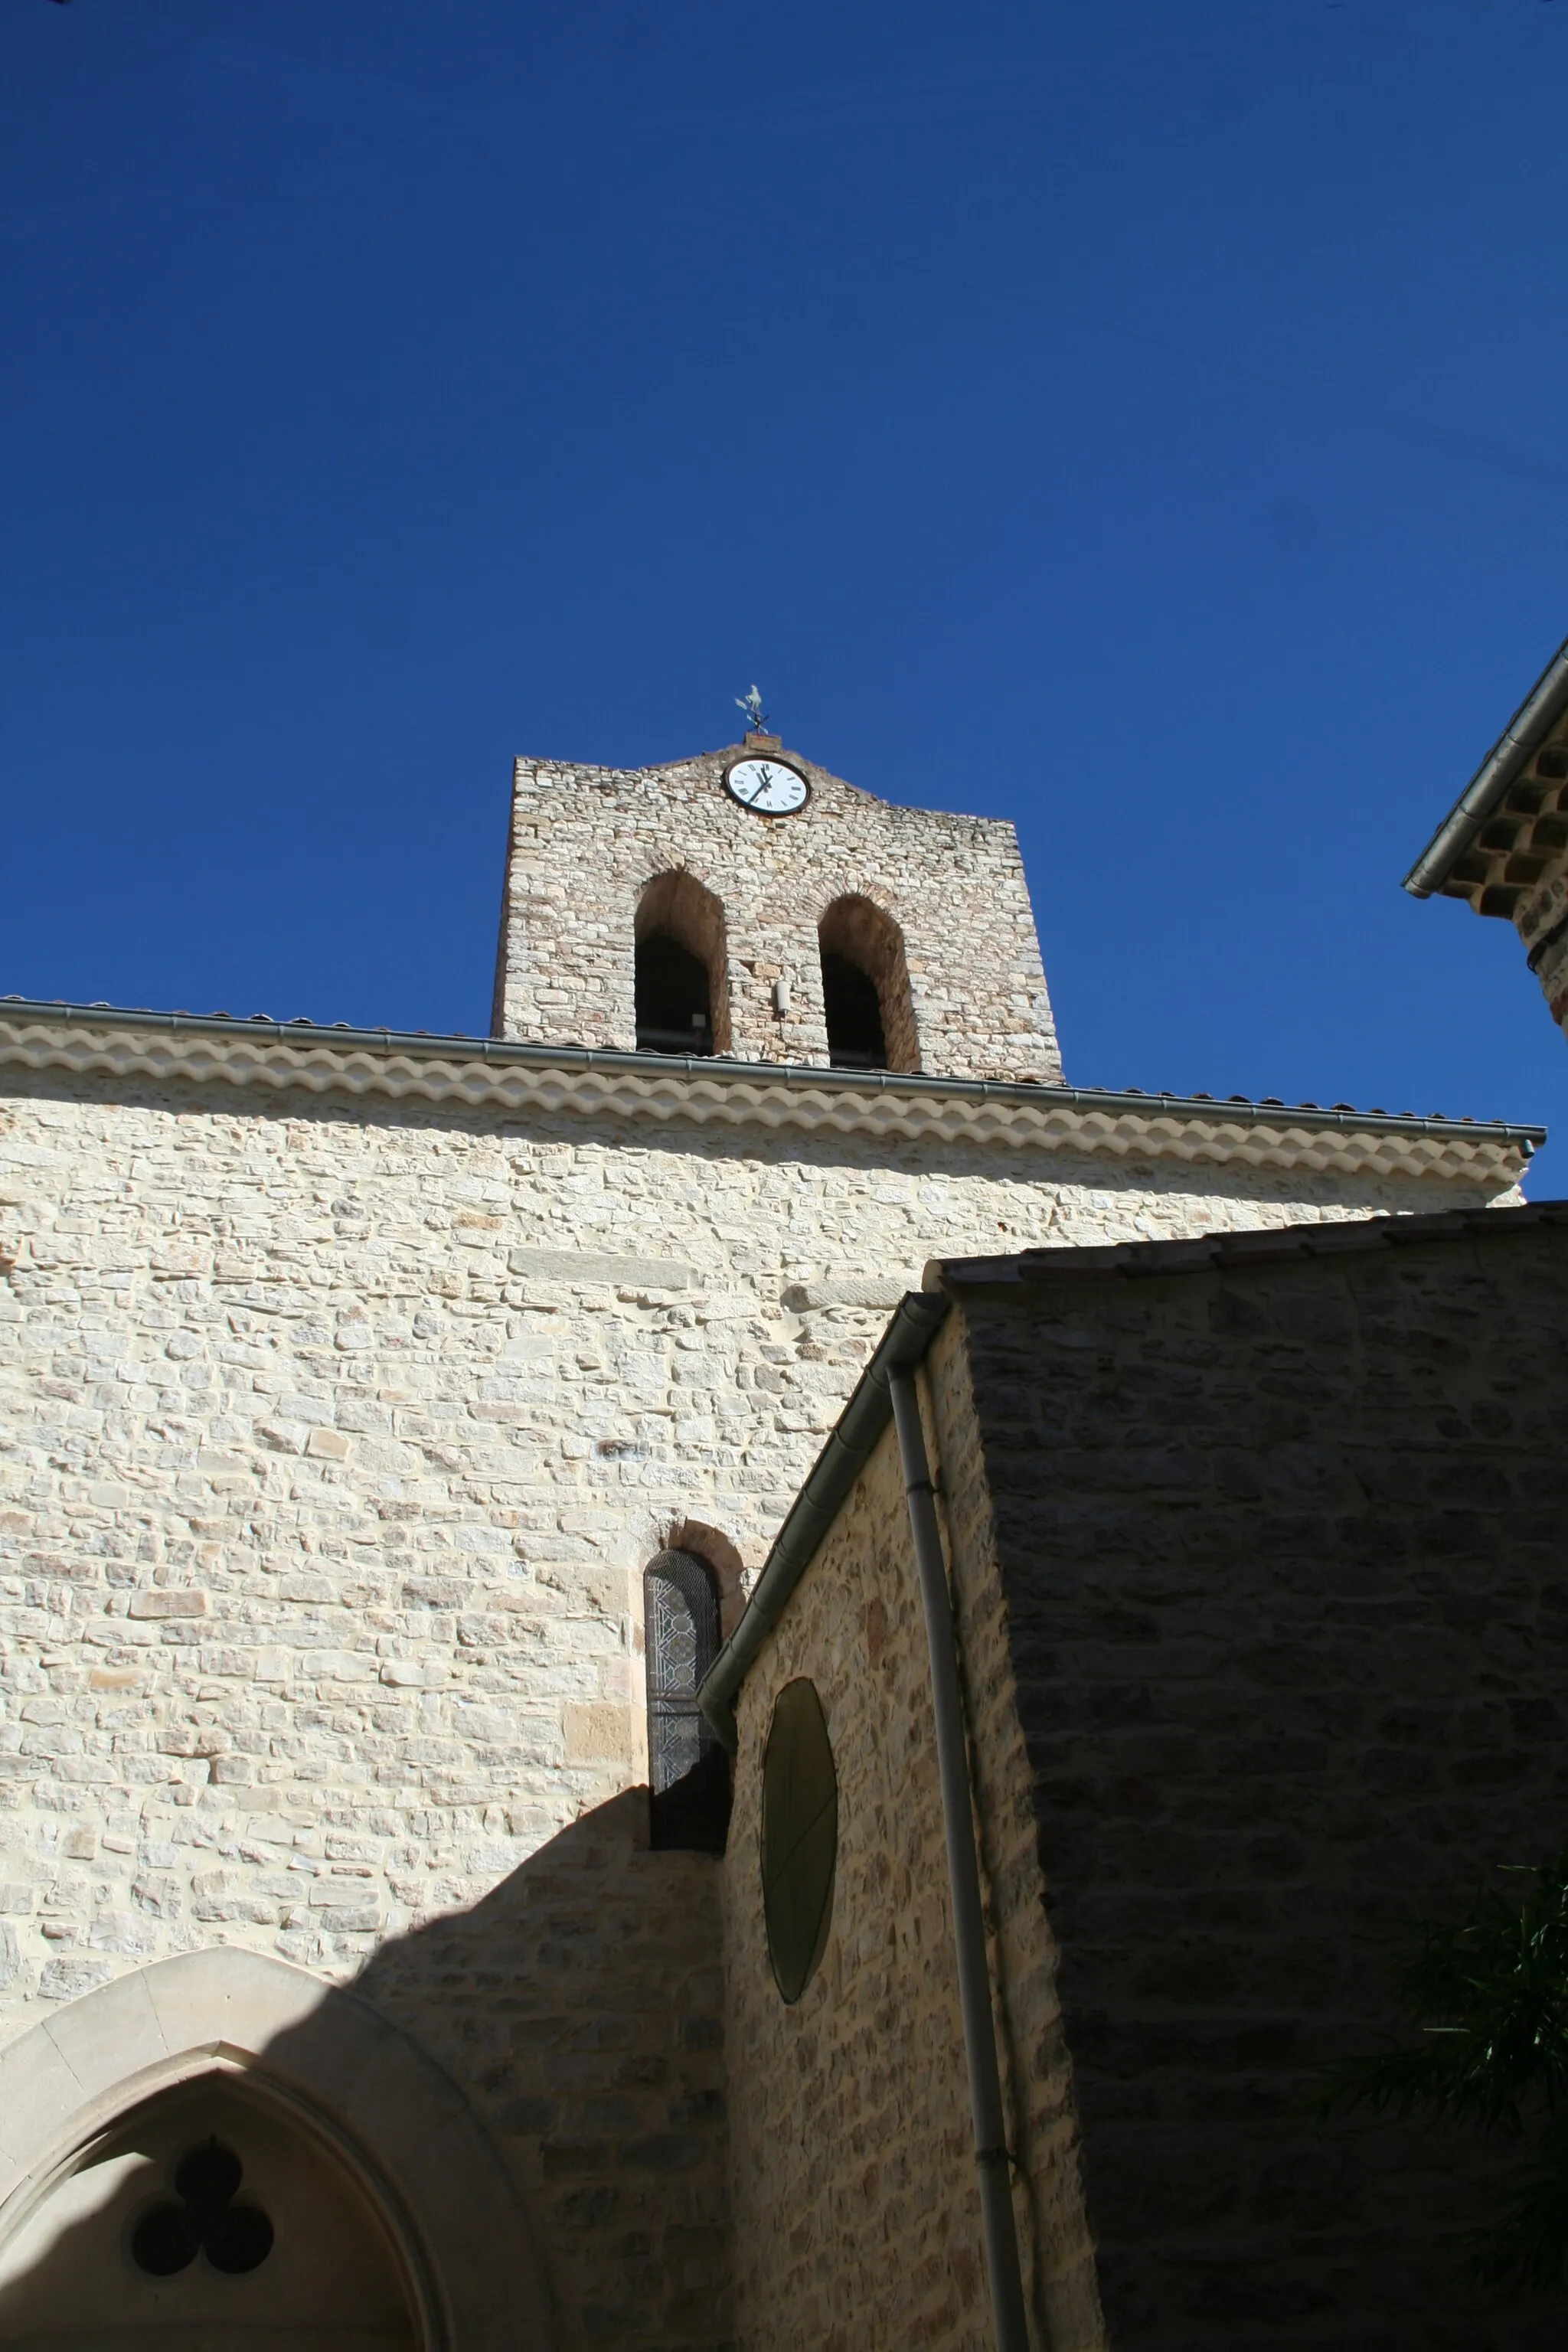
[[1540, 917], [333, 1440], [856, 2215], [1283, 1547], [336, 1441], [1042, 2128], [586, 842], [579, 2003]]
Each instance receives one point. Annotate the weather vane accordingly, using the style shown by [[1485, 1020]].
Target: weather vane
[[756, 716]]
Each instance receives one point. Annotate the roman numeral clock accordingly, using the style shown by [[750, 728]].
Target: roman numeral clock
[[767, 787]]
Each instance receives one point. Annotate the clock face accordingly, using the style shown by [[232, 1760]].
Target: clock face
[[767, 786]]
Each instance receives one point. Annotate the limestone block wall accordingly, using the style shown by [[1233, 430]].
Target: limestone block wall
[[856, 2215], [1281, 1548], [586, 841], [579, 2006], [1540, 917], [1060, 2264], [334, 1437], [855, 2211]]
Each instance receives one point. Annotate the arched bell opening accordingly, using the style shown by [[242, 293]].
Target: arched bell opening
[[856, 1038], [681, 969], [207, 2214], [866, 989]]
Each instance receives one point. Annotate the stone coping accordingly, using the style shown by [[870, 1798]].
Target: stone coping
[[484, 1073]]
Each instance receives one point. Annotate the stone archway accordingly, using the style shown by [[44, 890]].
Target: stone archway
[[313, 2076], [676, 911], [210, 2212], [866, 998]]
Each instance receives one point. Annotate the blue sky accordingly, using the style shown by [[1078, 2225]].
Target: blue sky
[[1144, 421]]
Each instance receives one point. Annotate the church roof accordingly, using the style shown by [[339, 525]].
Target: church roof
[[268, 1056], [1512, 815], [1198, 1255], [921, 1315]]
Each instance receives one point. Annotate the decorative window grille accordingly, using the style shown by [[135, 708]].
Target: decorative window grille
[[688, 1773]]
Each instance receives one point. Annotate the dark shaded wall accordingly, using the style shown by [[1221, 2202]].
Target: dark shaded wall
[[518, 2110], [1283, 1536], [579, 2008]]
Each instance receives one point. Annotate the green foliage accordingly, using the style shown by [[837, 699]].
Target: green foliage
[[1491, 1999]]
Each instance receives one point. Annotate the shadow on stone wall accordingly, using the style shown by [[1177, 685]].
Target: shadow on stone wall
[[578, 2010], [1282, 1544], [580, 2007]]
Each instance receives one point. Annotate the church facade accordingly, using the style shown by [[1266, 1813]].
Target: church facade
[[391, 1430]]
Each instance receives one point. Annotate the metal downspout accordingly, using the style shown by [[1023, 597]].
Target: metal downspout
[[991, 2157]]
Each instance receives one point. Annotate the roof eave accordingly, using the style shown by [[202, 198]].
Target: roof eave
[[920, 1316], [1520, 740], [323, 1056]]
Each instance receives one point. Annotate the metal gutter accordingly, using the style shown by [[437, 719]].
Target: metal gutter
[[720, 1070], [916, 1320], [1520, 740], [886, 1391]]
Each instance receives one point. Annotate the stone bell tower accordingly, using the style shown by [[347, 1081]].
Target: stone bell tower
[[747, 904]]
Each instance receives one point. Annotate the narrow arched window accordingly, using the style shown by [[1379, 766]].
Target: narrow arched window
[[681, 969], [689, 1772], [866, 989]]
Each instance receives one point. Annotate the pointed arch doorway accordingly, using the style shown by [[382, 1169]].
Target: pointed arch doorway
[[327, 2120], [210, 2216]]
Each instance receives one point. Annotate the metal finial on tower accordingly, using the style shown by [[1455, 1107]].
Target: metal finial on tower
[[756, 716]]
